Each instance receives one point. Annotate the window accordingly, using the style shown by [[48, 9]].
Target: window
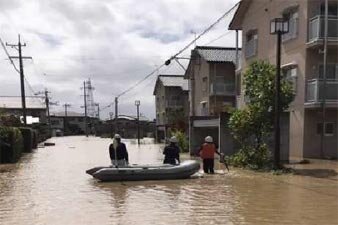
[[333, 9], [204, 108], [251, 43], [292, 16], [204, 84], [331, 71], [290, 74], [329, 128]]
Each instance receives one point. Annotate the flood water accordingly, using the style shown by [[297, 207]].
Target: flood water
[[50, 186]]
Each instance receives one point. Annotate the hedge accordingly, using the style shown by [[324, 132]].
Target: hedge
[[27, 134], [11, 145]]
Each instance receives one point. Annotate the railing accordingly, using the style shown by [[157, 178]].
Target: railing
[[315, 91], [173, 104], [227, 89], [251, 48], [316, 28]]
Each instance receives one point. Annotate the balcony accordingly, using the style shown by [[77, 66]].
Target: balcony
[[316, 31], [222, 89], [174, 104], [315, 93]]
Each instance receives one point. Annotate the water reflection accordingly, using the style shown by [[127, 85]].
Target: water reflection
[[51, 187]]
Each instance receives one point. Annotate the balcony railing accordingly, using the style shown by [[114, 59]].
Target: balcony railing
[[227, 89], [174, 104], [251, 48], [315, 91], [316, 28]]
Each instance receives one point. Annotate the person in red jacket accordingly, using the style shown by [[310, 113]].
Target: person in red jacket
[[207, 153]]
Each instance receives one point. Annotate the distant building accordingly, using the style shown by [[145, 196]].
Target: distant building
[[302, 63], [211, 76], [172, 104], [72, 124], [126, 126], [35, 108]]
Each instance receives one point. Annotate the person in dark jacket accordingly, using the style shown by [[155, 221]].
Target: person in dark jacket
[[118, 152], [172, 152]]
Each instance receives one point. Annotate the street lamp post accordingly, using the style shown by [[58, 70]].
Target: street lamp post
[[278, 26], [137, 103]]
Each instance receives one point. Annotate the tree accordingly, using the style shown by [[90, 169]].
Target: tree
[[250, 126]]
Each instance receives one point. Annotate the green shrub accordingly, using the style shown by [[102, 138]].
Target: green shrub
[[183, 143], [27, 134], [252, 158], [11, 145]]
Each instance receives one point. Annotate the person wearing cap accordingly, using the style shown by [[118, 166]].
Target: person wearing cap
[[118, 152], [172, 152], [207, 153]]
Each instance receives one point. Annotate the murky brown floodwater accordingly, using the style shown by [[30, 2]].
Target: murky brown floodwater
[[50, 187]]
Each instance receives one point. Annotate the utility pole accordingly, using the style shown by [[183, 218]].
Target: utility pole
[[137, 103], [22, 78], [116, 114], [48, 114], [85, 107], [98, 110], [65, 125]]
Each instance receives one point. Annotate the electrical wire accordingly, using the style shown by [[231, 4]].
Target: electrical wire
[[183, 49], [205, 31], [9, 57], [219, 37], [16, 69]]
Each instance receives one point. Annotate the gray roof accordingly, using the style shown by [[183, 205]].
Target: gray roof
[[174, 81], [70, 114], [142, 118], [218, 54], [14, 102]]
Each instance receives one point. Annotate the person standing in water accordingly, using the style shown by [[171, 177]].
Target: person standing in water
[[118, 152], [172, 152], [207, 153]]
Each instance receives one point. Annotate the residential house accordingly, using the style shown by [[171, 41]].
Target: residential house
[[126, 126], [72, 124], [35, 108], [211, 76], [172, 106], [302, 63]]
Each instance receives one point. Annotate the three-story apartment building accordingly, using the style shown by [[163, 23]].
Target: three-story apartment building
[[302, 62], [211, 75], [172, 105]]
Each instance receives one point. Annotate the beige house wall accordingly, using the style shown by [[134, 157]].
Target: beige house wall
[[258, 16], [201, 69], [160, 104]]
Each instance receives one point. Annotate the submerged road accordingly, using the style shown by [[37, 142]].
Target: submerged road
[[50, 186]]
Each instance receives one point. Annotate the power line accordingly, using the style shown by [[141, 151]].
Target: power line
[[9, 57], [219, 37], [140, 81], [205, 31], [183, 49]]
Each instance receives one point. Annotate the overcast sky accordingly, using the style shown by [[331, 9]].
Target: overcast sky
[[115, 43]]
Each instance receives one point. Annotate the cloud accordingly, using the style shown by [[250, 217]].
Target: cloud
[[115, 43]]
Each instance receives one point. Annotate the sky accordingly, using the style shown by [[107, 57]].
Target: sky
[[115, 43]]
